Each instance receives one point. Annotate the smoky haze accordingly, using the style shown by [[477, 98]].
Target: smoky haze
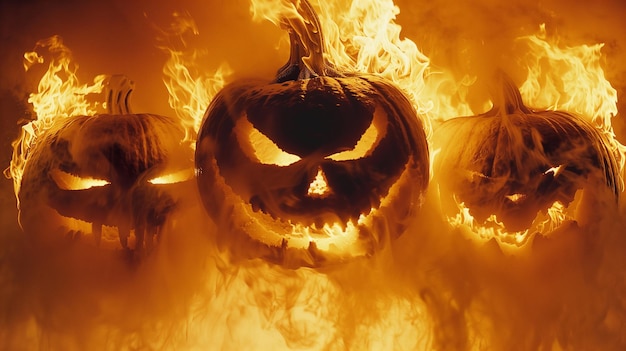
[[432, 289]]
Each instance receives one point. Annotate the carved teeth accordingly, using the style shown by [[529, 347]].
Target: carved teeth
[[342, 222], [319, 223], [344, 219], [343, 225], [255, 203]]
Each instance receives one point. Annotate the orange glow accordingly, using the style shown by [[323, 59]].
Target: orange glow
[[367, 142], [571, 78], [190, 88], [491, 228], [364, 37], [319, 185], [361, 149], [265, 150], [67, 181], [171, 178], [433, 288], [566, 78], [59, 95]]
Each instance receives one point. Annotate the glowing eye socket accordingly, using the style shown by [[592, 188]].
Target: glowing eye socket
[[369, 140], [554, 170], [175, 177], [265, 150], [67, 181], [362, 148], [516, 197]]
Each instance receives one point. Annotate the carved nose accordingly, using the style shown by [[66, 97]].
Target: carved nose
[[319, 186]]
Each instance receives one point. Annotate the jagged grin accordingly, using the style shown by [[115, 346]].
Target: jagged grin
[[279, 225]]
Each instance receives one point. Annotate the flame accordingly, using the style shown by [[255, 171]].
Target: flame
[[511, 241], [69, 181], [559, 77], [362, 36], [59, 95], [175, 177], [570, 78], [259, 306], [190, 88], [491, 228], [319, 185]]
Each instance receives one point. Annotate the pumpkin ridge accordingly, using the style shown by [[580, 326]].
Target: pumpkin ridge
[[262, 204], [518, 163]]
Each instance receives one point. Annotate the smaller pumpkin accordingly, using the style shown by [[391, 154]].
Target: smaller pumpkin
[[317, 166], [89, 173], [512, 165]]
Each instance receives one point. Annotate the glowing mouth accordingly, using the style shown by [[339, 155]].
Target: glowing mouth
[[111, 235], [339, 234], [249, 231], [318, 216], [104, 236], [491, 228]]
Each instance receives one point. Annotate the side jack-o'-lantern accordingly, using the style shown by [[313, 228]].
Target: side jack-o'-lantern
[[513, 169], [106, 171], [314, 167]]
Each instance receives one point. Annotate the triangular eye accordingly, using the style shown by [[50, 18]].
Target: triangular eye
[[368, 141], [264, 150], [67, 181]]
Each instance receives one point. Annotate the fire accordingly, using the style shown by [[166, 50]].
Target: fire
[[176, 177], [566, 78], [319, 186], [571, 78], [266, 151], [59, 95], [362, 36], [190, 88], [429, 290], [491, 228], [69, 181]]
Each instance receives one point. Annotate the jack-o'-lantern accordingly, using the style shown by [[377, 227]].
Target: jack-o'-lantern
[[104, 175], [315, 167], [513, 169]]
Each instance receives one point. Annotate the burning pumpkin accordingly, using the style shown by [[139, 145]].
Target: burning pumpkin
[[514, 170], [87, 173], [316, 166]]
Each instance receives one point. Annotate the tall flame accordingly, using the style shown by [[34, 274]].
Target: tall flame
[[436, 292], [570, 78], [59, 95], [362, 36], [190, 88]]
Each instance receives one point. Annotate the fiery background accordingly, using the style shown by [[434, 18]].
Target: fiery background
[[432, 289]]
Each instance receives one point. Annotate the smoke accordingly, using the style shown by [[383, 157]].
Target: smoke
[[433, 288]]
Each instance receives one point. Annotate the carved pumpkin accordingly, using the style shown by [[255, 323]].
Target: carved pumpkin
[[316, 166], [87, 173], [512, 165]]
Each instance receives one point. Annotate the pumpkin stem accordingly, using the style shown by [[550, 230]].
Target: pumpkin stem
[[507, 98], [118, 89], [306, 58]]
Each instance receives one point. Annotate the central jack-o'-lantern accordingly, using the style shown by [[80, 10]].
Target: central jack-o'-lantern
[[106, 171], [317, 166], [512, 172]]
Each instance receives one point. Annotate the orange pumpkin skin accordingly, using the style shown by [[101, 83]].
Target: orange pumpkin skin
[[313, 116], [514, 162], [125, 151], [327, 117]]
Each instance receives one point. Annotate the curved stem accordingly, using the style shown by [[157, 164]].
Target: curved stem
[[118, 91], [306, 58], [507, 97]]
